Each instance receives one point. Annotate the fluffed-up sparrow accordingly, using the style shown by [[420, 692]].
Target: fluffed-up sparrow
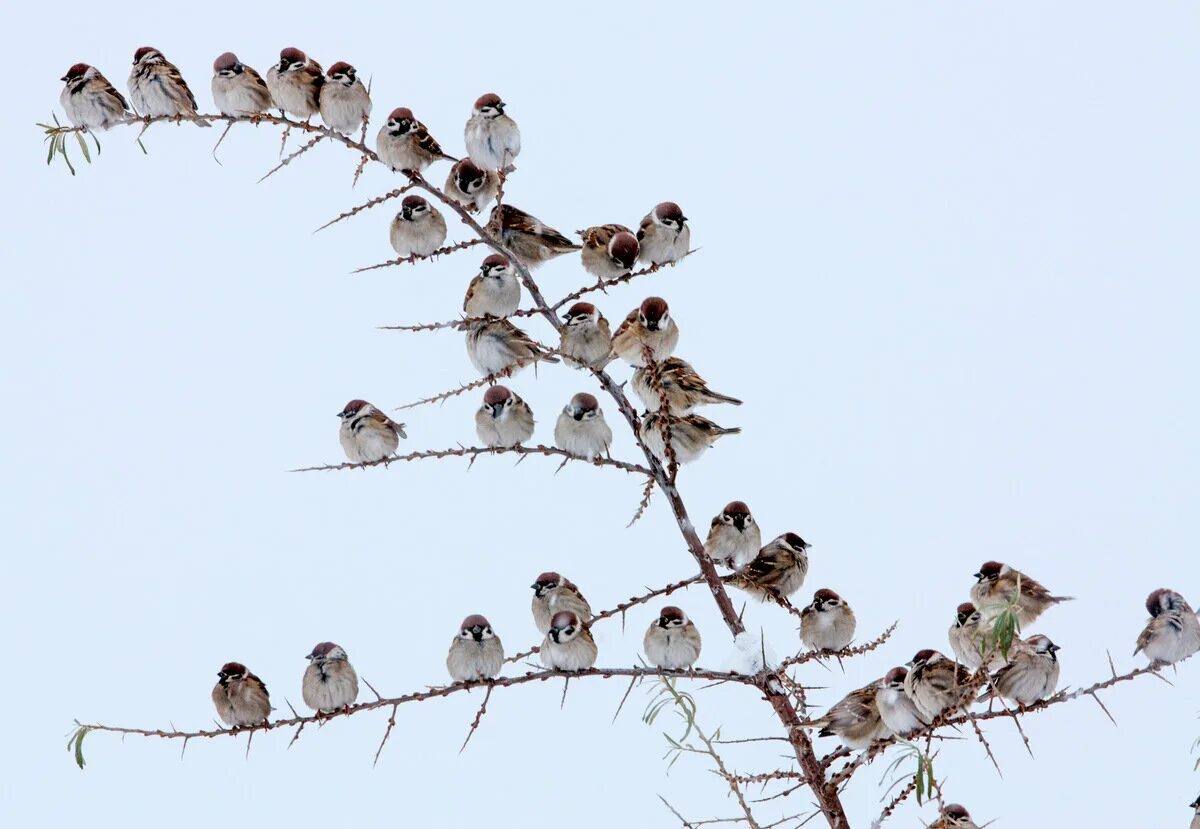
[[241, 697], [568, 645], [971, 638], [682, 386], [649, 325], [609, 251], [367, 434], [476, 652], [330, 681], [157, 89], [899, 713], [854, 719], [471, 186], [295, 83], [495, 290], [1031, 673], [497, 346], [586, 338], [526, 236], [672, 640], [937, 684], [953, 816], [664, 234], [237, 89], [1173, 631], [552, 593], [691, 435], [404, 143], [504, 419], [343, 100], [997, 585], [418, 229], [827, 622], [581, 429], [734, 537], [492, 137], [90, 101], [777, 570]]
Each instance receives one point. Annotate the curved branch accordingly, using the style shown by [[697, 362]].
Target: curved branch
[[475, 451]]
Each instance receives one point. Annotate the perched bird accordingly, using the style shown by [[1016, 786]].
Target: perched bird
[[157, 89], [495, 290], [330, 682], [648, 325], [778, 569], [971, 638], [237, 89], [854, 718], [90, 101], [295, 83], [241, 697], [953, 816], [504, 419], [672, 640], [937, 684], [827, 623], [997, 586], [1173, 631], [343, 101], [664, 235], [568, 645], [691, 435], [367, 434], [497, 346], [418, 229], [404, 144], [899, 713], [681, 385], [734, 537], [471, 186], [552, 593], [586, 338], [476, 653], [526, 236], [493, 139], [1196, 819], [609, 251], [1031, 673], [581, 429]]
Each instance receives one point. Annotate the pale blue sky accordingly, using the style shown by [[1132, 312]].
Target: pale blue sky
[[948, 259]]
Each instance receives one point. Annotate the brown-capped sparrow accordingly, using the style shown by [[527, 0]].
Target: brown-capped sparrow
[[609, 251], [343, 100], [90, 101], [504, 419], [1031, 673], [403, 143], [237, 89], [691, 435], [157, 88], [476, 653], [586, 337], [497, 346], [682, 386], [295, 83], [495, 291], [329, 682], [649, 325], [581, 429], [568, 645], [672, 640], [241, 697], [997, 586], [664, 234], [532, 241], [367, 434], [471, 186], [734, 537], [827, 623], [552, 593], [953, 816], [1173, 631], [418, 229], [854, 719], [937, 684], [492, 137], [897, 711], [777, 570], [971, 638]]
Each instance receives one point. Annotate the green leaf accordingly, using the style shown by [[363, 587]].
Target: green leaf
[[62, 148], [97, 142], [87, 156], [75, 744], [50, 155], [143, 146]]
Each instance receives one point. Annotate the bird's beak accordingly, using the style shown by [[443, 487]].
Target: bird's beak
[[64, 78], [577, 414], [682, 219], [979, 576]]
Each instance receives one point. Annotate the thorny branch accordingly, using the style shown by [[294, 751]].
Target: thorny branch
[[475, 451]]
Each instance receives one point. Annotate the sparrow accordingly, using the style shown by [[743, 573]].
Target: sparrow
[[342, 99], [241, 697], [581, 429], [734, 537], [295, 83], [778, 569], [664, 235], [329, 682], [418, 229], [367, 434], [1173, 631], [495, 291], [568, 645], [157, 88], [827, 623], [526, 236], [691, 435], [897, 711], [953, 816], [996, 586], [237, 89], [609, 251], [471, 186], [1196, 820], [650, 324], [90, 101], [497, 346], [504, 419], [682, 386], [1031, 673], [493, 139], [971, 638], [937, 684], [672, 641], [586, 339], [404, 144], [552, 593], [854, 718], [476, 653]]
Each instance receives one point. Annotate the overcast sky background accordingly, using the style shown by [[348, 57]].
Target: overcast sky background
[[948, 259]]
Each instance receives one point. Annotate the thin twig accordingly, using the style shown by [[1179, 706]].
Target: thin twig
[[476, 451]]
